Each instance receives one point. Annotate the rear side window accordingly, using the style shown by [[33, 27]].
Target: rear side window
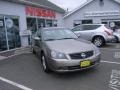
[[77, 28], [90, 27]]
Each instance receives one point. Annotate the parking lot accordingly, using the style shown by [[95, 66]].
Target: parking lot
[[25, 72]]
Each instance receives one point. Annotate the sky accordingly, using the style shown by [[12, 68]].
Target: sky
[[70, 4]]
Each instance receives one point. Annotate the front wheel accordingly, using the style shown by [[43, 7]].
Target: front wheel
[[99, 41], [44, 64]]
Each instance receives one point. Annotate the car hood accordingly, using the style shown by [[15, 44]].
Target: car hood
[[70, 45]]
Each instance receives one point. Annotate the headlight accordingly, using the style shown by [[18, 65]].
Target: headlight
[[58, 55]]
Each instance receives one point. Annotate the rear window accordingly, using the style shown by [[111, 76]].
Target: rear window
[[90, 27]]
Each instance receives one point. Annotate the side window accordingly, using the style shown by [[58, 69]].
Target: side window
[[86, 27], [90, 27], [77, 28]]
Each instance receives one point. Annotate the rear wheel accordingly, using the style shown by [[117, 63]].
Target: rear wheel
[[99, 41], [44, 63], [116, 39]]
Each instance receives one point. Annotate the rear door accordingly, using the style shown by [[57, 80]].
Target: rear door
[[86, 31], [83, 31], [89, 31]]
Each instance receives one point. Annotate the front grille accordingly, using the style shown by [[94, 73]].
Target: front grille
[[79, 55]]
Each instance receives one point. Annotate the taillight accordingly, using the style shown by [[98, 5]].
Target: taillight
[[108, 33]]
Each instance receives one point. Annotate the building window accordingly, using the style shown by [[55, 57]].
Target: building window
[[55, 23], [87, 21], [31, 24], [105, 23], [49, 23], [90, 27], [41, 23], [76, 22]]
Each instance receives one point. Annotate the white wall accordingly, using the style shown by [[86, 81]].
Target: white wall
[[7, 8], [59, 18], [93, 6]]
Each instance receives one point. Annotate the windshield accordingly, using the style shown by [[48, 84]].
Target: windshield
[[58, 34]]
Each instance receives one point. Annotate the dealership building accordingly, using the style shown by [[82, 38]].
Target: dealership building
[[19, 17], [95, 12]]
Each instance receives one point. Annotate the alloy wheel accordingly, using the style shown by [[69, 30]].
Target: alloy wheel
[[98, 41]]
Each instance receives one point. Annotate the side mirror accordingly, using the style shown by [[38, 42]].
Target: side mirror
[[37, 38]]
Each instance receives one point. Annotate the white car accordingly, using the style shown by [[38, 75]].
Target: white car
[[99, 34], [117, 36]]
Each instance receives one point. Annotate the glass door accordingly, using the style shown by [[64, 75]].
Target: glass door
[[12, 29], [3, 43], [9, 32]]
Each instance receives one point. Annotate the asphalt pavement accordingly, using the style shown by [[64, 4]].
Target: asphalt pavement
[[25, 71]]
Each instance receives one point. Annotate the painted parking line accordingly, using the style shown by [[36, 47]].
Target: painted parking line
[[114, 83], [111, 62], [15, 84]]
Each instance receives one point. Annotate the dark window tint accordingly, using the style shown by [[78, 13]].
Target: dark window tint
[[90, 27], [104, 22], [76, 22], [31, 24], [87, 21], [55, 23], [41, 23], [49, 23]]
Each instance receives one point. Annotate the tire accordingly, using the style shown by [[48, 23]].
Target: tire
[[44, 63], [99, 41], [116, 39]]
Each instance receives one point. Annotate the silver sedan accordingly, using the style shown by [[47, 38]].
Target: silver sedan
[[62, 51]]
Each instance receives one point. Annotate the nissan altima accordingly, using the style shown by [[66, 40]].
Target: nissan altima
[[62, 51]]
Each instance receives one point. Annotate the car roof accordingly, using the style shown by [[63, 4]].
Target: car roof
[[90, 24], [93, 24], [49, 28]]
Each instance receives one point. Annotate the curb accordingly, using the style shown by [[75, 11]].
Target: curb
[[13, 56], [11, 53]]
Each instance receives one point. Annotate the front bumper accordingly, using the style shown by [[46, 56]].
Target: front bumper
[[72, 65]]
